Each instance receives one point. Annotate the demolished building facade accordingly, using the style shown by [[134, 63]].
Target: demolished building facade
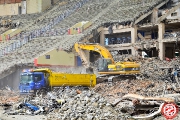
[[156, 32]]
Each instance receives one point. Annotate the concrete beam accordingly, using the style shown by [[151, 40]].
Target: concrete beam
[[142, 17], [120, 45], [119, 48], [171, 40], [133, 51], [105, 30], [168, 13], [140, 36], [100, 29], [148, 13]]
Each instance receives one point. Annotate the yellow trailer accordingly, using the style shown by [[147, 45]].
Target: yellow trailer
[[65, 79], [37, 79]]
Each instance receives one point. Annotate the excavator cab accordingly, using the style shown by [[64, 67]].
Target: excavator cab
[[103, 64]]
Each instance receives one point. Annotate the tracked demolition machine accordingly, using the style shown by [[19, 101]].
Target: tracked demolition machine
[[106, 64]]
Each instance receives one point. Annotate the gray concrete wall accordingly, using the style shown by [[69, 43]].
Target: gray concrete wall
[[12, 80]]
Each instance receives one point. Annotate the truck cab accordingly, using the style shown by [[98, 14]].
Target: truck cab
[[31, 81]]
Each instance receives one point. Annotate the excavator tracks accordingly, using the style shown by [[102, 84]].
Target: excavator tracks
[[110, 79]]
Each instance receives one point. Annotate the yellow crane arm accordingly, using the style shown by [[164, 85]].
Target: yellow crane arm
[[94, 47], [81, 53]]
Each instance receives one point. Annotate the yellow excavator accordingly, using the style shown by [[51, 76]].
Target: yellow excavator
[[106, 64]]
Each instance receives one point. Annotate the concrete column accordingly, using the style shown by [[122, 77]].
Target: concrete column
[[161, 50], [102, 38], [134, 34], [161, 31], [87, 53], [133, 51], [154, 15]]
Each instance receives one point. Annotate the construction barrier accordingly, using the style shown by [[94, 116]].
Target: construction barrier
[[79, 30], [8, 37], [69, 31], [79, 27]]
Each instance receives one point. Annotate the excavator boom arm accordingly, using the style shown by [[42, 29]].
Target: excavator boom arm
[[94, 47]]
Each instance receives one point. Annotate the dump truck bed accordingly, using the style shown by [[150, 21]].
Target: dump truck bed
[[57, 79], [67, 79]]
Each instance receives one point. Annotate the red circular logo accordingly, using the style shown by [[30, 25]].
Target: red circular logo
[[169, 110]]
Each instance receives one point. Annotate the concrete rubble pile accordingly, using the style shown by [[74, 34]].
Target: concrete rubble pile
[[9, 97], [151, 68], [83, 104], [66, 103], [141, 87], [156, 69], [138, 98], [123, 100], [117, 57]]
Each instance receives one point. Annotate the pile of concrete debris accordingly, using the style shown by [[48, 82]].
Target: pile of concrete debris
[[102, 102], [139, 98], [151, 68], [64, 103], [8, 97], [123, 99]]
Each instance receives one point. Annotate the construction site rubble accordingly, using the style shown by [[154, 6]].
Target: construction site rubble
[[65, 103], [8, 97], [124, 99], [152, 68], [140, 98]]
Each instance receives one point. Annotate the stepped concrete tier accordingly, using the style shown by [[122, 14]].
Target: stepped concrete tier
[[98, 12], [48, 18], [28, 22], [40, 24]]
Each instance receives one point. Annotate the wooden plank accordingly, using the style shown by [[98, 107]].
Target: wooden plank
[[139, 97]]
